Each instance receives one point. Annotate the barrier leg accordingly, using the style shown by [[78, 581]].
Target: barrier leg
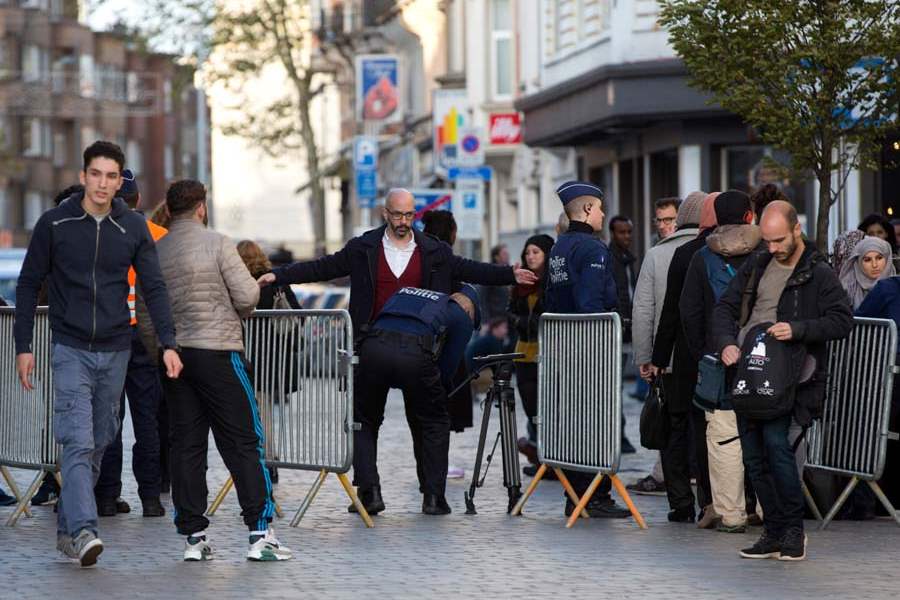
[[310, 496], [25, 499], [348, 487], [220, 497], [840, 502], [624, 493], [582, 503], [570, 491], [517, 509], [278, 512], [14, 488], [810, 502], [884, 500]]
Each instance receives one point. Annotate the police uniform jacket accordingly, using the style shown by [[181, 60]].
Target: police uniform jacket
[[431, 316], [580, 279]]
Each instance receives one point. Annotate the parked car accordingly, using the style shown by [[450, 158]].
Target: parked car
[[11, 260]]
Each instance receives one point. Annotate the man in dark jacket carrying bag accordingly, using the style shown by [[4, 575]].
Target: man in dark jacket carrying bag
[[801, 294], [380, 262]]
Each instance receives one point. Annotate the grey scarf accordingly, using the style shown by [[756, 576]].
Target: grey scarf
[[855, 281]]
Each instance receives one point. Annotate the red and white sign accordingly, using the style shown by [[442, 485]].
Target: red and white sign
[[505, 128]]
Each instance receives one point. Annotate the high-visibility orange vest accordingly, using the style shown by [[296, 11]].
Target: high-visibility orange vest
[[156, 232]]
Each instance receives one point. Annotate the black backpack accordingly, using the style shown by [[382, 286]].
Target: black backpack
[[767, 373]]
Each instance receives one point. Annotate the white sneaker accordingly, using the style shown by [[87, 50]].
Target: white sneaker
[[197, 548], [266, 547]]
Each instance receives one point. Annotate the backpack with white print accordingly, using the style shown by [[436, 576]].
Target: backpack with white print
[[767, 375]]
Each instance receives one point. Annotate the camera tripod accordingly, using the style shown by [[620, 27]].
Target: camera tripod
[[502, 395]]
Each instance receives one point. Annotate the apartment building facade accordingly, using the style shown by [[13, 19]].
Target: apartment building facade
[[62, 86]]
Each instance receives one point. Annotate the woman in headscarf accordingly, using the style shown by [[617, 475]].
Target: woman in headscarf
[[843, 247], [525, 308], [869, 262]]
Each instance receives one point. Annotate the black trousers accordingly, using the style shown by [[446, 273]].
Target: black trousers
[[215, 390], [144, 391], [527, 383], [388, 360]]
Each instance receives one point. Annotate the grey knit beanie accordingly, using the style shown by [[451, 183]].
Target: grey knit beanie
[[689, 211]]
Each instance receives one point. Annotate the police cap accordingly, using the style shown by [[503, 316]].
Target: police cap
[[575, 189]]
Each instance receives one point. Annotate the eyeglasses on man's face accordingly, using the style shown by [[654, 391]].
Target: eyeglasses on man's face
[[664, 220], [400, 216]]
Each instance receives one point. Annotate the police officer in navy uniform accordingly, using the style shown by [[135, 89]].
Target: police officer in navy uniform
[[414, 344], [580, 281]]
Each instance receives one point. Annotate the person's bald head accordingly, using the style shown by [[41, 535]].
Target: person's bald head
[[399, 212], [783, 210], [780, 229], [399, 199]]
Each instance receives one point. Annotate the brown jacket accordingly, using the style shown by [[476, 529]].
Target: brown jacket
[[210, 288]]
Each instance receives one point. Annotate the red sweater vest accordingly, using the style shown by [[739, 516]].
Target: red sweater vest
[[386, 284]]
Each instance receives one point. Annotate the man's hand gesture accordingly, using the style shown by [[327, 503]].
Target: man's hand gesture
[[266, 280], [523, 276]]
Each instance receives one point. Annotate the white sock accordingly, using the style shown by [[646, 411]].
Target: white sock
[[259, 533], [199, 534]]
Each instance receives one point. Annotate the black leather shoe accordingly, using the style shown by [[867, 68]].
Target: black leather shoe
[[106, 507], [602, 508], [682, 515], [433, 504], [122, 506], [153, 507], [371, 499]]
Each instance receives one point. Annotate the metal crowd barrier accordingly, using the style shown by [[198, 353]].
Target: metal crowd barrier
[[302, 373], [26, 418], [579, 422], [851, 437]]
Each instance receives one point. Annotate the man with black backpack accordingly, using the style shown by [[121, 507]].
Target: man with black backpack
[[711, 270], [801, 295]]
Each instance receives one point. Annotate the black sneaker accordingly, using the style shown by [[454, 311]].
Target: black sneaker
[[793, 544], [648, 486], [768, 546], [600, 508], [371, 499], [48, 493], [153, 507], [6, 499], [627, 447]]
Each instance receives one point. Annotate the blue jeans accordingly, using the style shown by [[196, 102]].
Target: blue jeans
[[87, 388], [769, 461]]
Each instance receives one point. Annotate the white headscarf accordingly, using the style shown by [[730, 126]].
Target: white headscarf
[[853, 278]]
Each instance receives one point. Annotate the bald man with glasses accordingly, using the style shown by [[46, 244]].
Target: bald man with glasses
[[382, 261]]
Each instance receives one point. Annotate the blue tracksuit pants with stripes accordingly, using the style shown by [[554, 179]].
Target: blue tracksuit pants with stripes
[[215, 391]]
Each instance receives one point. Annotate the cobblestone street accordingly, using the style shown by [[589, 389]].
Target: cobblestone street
[[409, 555]]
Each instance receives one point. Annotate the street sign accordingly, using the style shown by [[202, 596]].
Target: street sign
[[484, 173], [365, 152], [470, 151], [469, 209], [430, 199], [365, 167]]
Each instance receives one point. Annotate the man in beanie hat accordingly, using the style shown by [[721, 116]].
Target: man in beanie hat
[[580, 281], [647, 309], [726, 249], [670, 348]]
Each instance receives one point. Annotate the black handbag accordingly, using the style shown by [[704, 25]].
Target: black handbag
[[655, 418]]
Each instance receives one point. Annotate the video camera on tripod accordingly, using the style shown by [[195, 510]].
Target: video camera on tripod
[[503, 396]]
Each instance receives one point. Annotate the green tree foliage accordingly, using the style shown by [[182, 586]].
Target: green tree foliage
[[817, 78]]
